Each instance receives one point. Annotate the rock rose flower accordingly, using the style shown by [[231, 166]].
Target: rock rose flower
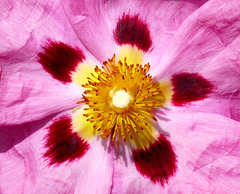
[[120, 96]]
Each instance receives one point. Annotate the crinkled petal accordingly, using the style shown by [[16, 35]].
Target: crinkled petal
[[164, 19], [26, 26], [206, 35], [91, 24], [22, 162], [37, 19], [235, 106], [28, 92], [98, 19], [208, 152], [208, 43], [31, 94]]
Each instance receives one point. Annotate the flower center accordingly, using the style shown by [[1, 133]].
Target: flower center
[[121, 100]]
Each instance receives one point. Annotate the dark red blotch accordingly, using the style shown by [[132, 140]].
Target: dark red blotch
[[62, 144], [188, 87], [60, 60], [158, 162], [132, 30]]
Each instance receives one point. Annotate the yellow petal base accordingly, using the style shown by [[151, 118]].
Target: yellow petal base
[[120, 99]]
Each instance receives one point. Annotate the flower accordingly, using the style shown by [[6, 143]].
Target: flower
[[192, 46]]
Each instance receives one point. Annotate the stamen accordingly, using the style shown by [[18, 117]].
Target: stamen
[[121, 99]]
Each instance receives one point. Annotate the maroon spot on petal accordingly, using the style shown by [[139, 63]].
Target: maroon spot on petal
[[132, 30], [188, 87], [60, 60], [62, 144], [158, 162]]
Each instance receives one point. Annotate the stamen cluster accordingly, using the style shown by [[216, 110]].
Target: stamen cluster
[[133, 123]]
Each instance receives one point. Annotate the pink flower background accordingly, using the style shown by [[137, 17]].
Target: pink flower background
[[188, 35]]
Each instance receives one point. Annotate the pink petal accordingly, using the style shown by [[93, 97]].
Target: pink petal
[[164, 19], [208, 43], [38, 19], [208, 150], [235, 106], [22, 162], [31, 94], [98, 19], [205, 36], [91, 24], [28, 93], [26, 26], [206, 143]]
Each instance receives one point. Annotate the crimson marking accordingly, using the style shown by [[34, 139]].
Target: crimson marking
[[158, 162], [132, 30], [189, 87], [62, 144], [60, 60]]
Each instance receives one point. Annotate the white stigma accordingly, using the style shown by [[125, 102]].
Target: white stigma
[[121, 99]]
